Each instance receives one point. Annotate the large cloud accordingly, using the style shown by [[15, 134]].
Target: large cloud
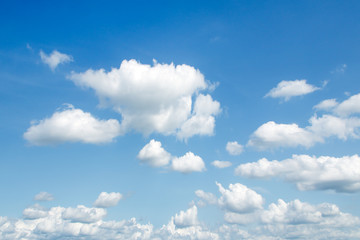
[[289, 89], [156, 156], [72, 125], [155, 98], [55, 58], [309, 173]]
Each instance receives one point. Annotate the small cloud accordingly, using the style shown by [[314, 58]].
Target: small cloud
[[234, 148], [55, 58], [289, 89], [221, 164], [28, 46], [106, 200], [44, 197], [339, 69]]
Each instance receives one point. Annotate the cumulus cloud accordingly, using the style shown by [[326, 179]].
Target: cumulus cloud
[[106, 200], [43, 196], [156, 156], [206, 196], [221, 164], [239, 198], [274, 135], [349, 106], [309, 172], [84, 214], [327, 104], [234, 148], [155, 98], [188, 163], [72, 125], [187, 218], [289, 89], [55, 58]]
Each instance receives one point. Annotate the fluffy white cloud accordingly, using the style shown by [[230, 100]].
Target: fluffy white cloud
[[84, 214], [349, 106], [234, 148], [309, 173], [55, 58], [239, 198], [327, 104], [188, 163], [155, 98], [273, 135], [154, 155], [187, 218], [107, 199], [288, 89], [221, 164], [72, 125], [43, 196]]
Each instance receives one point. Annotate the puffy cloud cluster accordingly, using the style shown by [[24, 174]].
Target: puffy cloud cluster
[[289, 89], [234, 148], [156, 156], [280, 220], [106, 200], [156, 98], [309, 172], [72, 125], [55, 58], [338, 124]]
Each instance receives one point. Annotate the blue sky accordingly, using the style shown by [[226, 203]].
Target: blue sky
[[180, 120]]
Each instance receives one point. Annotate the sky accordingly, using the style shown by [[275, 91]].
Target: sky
[[180, 120]]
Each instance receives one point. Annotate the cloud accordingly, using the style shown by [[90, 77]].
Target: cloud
[[281, 220], [327, 104], [155, 98], [239, 198], [221, 164], [309, 173], [187, 218], [188, 163], [234, 148], [43, 196], [206, 196], [72, 125], [340, 69], [106, 200], [156, 156], [55, 58], [289, 89], [349, 106], [273, 135]]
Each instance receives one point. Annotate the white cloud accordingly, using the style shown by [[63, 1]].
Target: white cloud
[[106, 200], [239, 198], [349, 106], [55, 58], [340, 69], [155, 98], [206, 196], [43, 196], [234, 148], [72, 125], [188, 163], [274, 135], [84, 214], [221, 164], [154, 155], [309, 173], [327, 104], [289, 89], [187, 218]]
